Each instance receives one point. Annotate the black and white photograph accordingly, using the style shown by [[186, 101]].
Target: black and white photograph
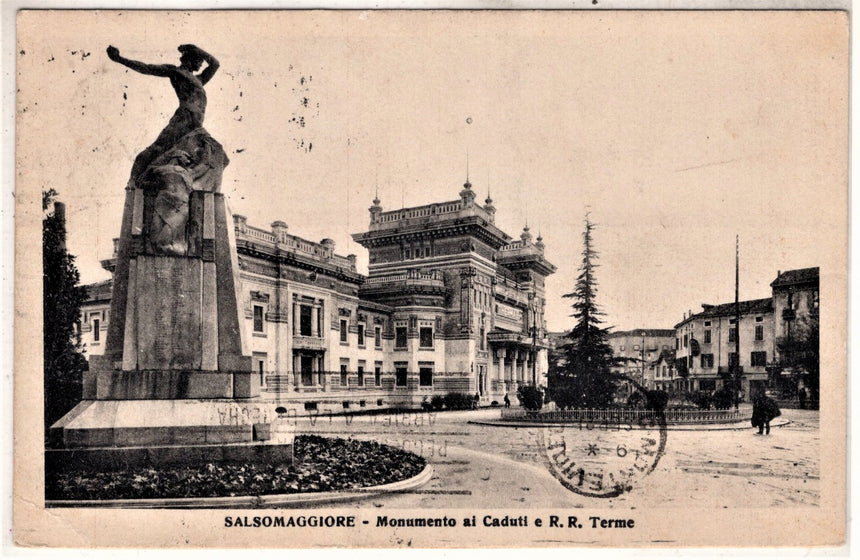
[[392, 279]]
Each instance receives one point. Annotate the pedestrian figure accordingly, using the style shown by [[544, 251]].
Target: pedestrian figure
[[507, 401], [765, 409], [475, 401], [801, 395]]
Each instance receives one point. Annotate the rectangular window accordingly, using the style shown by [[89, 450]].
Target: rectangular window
[[426, 337], [732, 321], [259, 365], [361, 335], [306, 364], [400, 375], [305, 325], [361, 376], [377, 337], [258, 319], [759, 319], [758, 359], [400, 337], [636, 347], [733, 360], [344, 376], [759, 332], [344, 333], [708, 336], [377, 374], [96, 333], [483, 340], [707, 361], [677, 343], [733, 335], [707, 323], [685, 341], [425, 376]]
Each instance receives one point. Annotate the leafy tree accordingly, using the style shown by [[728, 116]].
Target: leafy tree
[[799, 353], [579, 375], [656, 399], [62, 298], [530, 397], [722, 399]]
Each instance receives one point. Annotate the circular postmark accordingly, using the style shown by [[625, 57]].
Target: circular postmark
[[604, 453]]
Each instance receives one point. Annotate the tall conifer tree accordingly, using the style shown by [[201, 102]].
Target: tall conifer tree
[[580, 374], [64, 362]]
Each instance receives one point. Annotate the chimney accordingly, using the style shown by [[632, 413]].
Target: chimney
[[60, 215]]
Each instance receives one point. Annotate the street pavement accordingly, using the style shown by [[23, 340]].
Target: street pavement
[[486, 466]]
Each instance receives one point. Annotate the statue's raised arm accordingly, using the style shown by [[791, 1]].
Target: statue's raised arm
[[161, 70]]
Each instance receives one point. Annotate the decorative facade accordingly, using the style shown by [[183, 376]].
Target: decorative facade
[[451, 304]]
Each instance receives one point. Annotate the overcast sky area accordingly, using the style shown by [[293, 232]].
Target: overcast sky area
[[676, 131]]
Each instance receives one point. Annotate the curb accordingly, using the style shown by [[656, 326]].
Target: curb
[[670, 427], [271, 500]]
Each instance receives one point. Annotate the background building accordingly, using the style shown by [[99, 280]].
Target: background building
[[795, 305], [705, 341], [639, 349], [706, 349]]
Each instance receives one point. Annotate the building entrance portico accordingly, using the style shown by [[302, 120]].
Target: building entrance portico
[[513, 361]]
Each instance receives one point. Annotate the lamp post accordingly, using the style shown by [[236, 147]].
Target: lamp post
[[533, 300], [736, 378]]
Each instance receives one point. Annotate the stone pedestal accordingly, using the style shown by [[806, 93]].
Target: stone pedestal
[[175, 330], [181, 335]]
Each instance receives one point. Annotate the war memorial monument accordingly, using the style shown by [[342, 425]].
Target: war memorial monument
[[175, 366]]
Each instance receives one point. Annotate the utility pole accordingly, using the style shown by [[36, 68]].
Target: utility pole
[[737, 372], [534, 337]]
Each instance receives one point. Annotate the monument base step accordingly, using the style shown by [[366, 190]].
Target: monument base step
[[106, 459], [141, 423]]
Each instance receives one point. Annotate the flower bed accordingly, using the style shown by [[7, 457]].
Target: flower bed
[[321, 464]]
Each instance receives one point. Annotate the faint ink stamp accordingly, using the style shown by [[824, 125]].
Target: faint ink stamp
[[607, 457]]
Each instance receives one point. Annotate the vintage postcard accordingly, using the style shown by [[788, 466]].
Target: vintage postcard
[[431, 278]]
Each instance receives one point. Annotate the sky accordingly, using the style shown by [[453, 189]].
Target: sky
[[675, 131]]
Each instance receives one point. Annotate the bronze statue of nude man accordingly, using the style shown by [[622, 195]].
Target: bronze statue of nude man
[[189, 90]]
